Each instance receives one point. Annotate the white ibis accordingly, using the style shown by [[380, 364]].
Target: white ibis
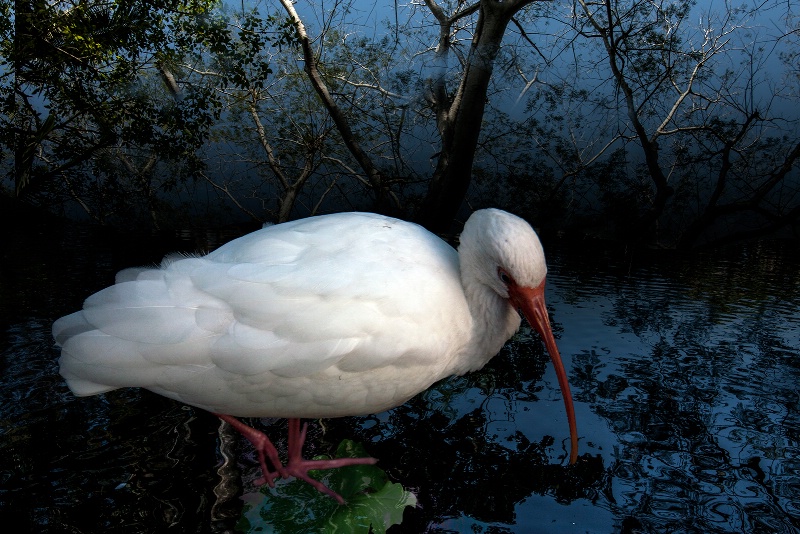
[[337, 315]]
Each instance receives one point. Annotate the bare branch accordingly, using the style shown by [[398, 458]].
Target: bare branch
[[233, 198], [342, 123], [381, 90], [262, 138]]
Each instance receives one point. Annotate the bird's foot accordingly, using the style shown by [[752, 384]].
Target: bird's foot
[[299, 467], [264, 448]]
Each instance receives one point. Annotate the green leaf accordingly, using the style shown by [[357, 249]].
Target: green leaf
[[372, 501], [380, 510]]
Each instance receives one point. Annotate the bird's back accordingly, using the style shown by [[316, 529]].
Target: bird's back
[[335, 315]]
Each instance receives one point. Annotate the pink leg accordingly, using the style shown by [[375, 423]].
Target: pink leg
[[298, 466], [263, 447]]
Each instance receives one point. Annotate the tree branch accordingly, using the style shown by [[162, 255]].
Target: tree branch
[[375, 177]]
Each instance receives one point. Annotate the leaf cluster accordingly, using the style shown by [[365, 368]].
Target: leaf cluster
[[373, 503]]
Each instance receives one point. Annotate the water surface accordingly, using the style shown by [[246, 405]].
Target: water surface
[[685, 371]]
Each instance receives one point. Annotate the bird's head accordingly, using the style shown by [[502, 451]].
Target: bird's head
[[503, 246], [503, 252]]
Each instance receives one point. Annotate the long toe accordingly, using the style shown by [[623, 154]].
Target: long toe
[[299, 468], [263, 446], [329, 464]]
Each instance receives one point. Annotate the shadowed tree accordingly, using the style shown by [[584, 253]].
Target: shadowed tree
[[652, 115], [91, 116], [459, 112], [702, 131]]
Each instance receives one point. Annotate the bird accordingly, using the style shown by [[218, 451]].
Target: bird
[[333, 315]]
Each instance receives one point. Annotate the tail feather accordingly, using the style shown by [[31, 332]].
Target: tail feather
[[81, 387]]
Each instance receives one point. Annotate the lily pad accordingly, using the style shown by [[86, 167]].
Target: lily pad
[[372, 501]]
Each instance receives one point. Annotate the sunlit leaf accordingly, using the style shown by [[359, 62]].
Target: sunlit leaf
[[372, 501]]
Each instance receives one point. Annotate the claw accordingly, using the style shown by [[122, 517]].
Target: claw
[[297, 466]]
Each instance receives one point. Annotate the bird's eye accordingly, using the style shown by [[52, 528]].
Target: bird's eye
[[504, 276]]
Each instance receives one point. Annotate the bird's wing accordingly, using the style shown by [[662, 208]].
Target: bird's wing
[[351, 292], [138, 331]]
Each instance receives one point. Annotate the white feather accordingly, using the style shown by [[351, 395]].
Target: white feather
[[333, 315]]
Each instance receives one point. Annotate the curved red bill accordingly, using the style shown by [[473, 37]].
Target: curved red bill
[[530, 301]]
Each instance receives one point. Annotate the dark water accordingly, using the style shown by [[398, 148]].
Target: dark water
[[685, 371]]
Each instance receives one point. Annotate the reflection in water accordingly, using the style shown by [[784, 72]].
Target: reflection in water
[[684, 369], [695, 369]]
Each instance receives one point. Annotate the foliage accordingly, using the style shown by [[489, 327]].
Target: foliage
[[659, 121], [282, 133], [92, 115], [373, 503], [667, 130]]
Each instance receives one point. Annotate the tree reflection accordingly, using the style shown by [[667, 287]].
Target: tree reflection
[[690, 367], [714, 400], [456, 465]]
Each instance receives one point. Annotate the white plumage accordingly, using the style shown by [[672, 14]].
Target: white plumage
[[336, 315]]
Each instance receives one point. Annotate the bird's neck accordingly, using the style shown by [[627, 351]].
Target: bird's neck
[[494, 321]]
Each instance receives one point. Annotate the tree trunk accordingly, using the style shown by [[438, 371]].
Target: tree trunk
[[460, 121], [374, 175]]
